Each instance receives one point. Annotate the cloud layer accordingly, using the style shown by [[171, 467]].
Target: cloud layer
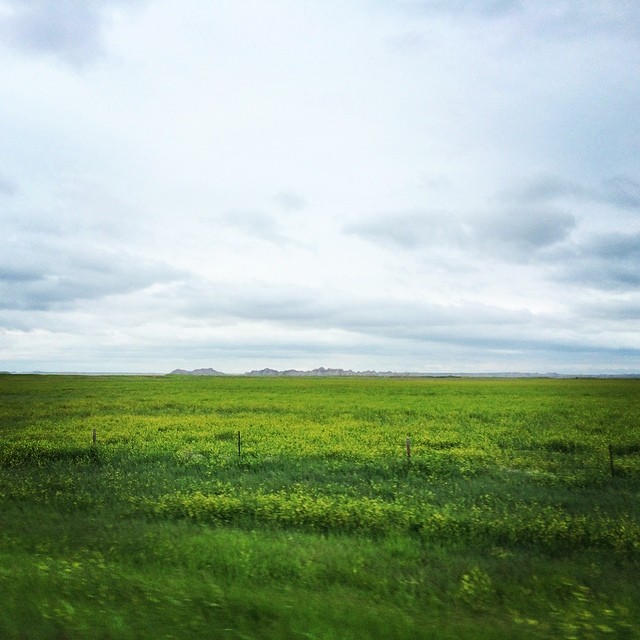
[[411, 185], [71, 31]]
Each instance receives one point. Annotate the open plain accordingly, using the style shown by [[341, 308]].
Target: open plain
[[326, 508]]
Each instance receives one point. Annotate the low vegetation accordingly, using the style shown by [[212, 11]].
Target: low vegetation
[[230, 507]]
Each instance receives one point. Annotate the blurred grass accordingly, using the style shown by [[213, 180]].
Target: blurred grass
[[505, 523]]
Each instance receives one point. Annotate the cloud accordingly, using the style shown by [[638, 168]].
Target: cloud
[[567, 18], [513, 233], [289, 201], [288, 184], [544, 189], [484, 8], [545, 220], [230, 326], [7, 187], [298, 307], [621, 191], [70, 30], [304, 323], [524, 230], [410, 229], [621, 247], [251, 224], [84, 245], [546, 18], [619, 311], [53, 279], [604, 261]]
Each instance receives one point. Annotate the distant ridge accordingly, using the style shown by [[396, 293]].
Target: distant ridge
[[347, 373], [320, 371], [197, 372], [324, 372]]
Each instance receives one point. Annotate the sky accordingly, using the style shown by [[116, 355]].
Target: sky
[[399, 185]]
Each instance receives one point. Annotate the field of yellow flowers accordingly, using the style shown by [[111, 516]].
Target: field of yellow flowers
[[237, 507]]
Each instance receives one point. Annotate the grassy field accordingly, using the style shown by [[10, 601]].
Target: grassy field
[[508, 521]]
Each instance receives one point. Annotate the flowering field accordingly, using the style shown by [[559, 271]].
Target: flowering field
[[182, 507]]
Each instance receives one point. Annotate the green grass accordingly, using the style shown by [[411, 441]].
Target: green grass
[[506, 522]]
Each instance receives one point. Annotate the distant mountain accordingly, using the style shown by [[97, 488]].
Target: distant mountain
[[321, 372], [197, 372], [294, 373], [346, 373], [264, 372]]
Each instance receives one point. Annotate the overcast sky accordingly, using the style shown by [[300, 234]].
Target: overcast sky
[[408, 185]]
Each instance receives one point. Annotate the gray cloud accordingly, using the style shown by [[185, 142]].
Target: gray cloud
[[484, 8], [554, 18], [620, 247], [422, 320], [512, 232], [542, 189], [253, 301], [567, 18], [11, 273], [252, 224], [598, 260], [393, 328], [85, 213], [289, 201], [7, 187], [604, 261], [619, 191], [622, 191], [533, 220], [300, 307], [618, 311], [55, 280], [81, 250], [68, 29], [525, 230], [410, 229]]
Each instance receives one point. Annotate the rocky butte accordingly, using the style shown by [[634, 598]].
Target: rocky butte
[[197, 372]]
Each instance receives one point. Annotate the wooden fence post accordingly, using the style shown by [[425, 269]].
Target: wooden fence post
[[239, 444], [613, 471], [408, 443], [94, 437]]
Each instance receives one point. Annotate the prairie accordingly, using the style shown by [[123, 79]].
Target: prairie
[[233, 507]]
